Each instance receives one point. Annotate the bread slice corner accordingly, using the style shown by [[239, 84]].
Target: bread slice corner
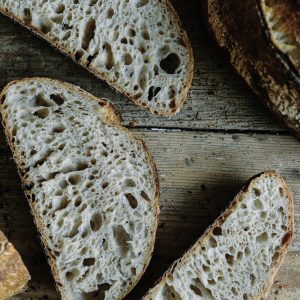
[[14, 274], [238, 256]]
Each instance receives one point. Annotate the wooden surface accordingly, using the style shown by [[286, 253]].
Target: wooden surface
[[223, 136]]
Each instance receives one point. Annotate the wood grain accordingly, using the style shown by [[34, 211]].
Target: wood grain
[[217, 100], [199, 172]]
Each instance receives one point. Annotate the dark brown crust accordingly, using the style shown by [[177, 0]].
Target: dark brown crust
[[218, 223], [254, 58], [113, 118], [14, 276], [174, 16]]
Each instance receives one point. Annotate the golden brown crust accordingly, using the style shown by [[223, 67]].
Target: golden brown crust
[[254, 58], [84, 63], [13, 274], [112, 116], [283, 31], [218, 223]]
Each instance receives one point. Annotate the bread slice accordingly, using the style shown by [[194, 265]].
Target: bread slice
[[92, 186], [13, 274], [253, 55], [137, 46], [238, 256]]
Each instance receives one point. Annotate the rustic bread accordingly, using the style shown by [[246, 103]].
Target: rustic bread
[[238, 28], [91, 185], [13, 274], [137, 46], [238, 256]]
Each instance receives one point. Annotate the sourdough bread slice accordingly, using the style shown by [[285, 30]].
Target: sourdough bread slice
[[254, 56], [238, 256], [14, 276], [137, 46], [92, 186]]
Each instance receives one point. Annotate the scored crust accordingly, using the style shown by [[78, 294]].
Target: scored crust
[[83, 63], [13, 274], [112, 117], [255, 58], [220, 220]]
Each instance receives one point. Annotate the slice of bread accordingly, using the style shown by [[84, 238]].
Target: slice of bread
[[92, 186], [239, 255], [255, 57], [137, 46], [14, 276]]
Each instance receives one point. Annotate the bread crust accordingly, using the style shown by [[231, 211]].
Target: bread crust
[[220, 220], [14, 276], [84, 63], [255, 58], [112, 116]]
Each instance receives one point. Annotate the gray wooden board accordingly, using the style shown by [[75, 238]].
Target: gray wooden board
[[199, 173]]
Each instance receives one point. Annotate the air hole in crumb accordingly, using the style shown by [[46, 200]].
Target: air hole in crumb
[[88, 33], [234, 291], [60, 8], [141, 3], [96, 222], [172, 104], [74, 179], [170, 63], [70, 275], [110, 13], [127, 58], [132, 200], [105, 185], [42, 113], [281, 192], [253, 279], [257, 192], [58, 99], [128, 183], [153, 91], [145, 35], [131, 32], [258, 204], [78, 54], [122, 238], [229, 259], [88, 261], [262, 238], [145, 196], [217, 231], [212, 242], [196, 290], [78, 201]]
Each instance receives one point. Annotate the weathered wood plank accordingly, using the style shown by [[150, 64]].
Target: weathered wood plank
[[218, 99], [199, 173]]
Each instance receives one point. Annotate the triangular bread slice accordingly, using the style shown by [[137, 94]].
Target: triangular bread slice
[[14, 276], [92, 186], [137, 46], [239, 255]]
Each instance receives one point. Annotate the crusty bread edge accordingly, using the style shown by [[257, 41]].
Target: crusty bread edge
[[175, 18], [260, 91], [114, 119], [220, 220], [22, 270]]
